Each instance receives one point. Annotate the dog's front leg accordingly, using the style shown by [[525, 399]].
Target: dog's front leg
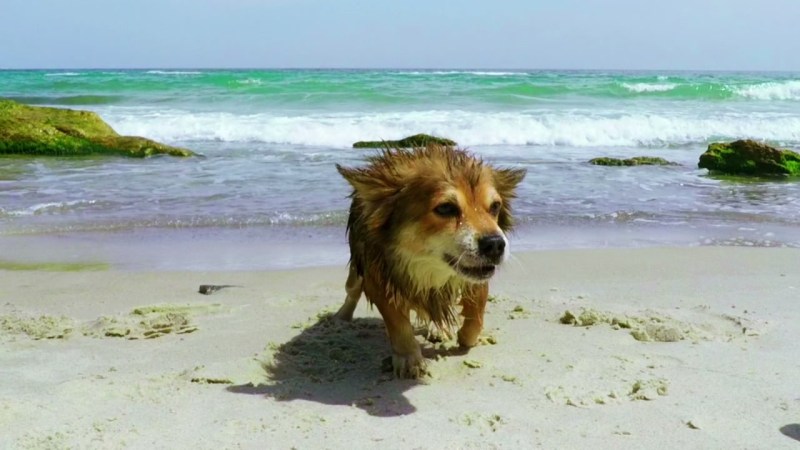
[[407, 359], [473, 302]]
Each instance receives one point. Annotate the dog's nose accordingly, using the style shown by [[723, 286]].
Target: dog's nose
[[492, 246]]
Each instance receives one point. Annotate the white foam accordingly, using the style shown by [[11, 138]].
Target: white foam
[[251, 81], [649, 87], [48, 208], [173, 72], [62, 74], [784, 90], [468, 128], [487, 73], [496, 74]]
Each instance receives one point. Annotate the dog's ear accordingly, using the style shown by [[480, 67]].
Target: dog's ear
[[508, 179], [506, 182], [377, 191], [368, 184]]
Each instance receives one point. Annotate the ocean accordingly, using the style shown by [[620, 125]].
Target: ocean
[[266, 194]]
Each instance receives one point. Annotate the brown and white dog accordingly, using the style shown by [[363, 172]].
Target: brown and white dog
[[427, 230]]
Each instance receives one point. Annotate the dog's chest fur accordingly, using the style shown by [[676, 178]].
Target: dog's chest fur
[[414, 284]]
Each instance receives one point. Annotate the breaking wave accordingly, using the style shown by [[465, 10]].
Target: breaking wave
[[649, 87], [466, 127], [784, 90]]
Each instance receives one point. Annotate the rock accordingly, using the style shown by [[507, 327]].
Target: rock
[[635, 161], [417, 140], [748, 157], [694, 424], [472, 364], [209, 289], [41, 131]]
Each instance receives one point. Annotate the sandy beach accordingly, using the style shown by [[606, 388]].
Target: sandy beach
[[608, 348]]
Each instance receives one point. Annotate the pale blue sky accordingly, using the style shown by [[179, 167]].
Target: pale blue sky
[[524, 34]]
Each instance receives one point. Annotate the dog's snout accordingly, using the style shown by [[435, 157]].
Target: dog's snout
[[492, 246]]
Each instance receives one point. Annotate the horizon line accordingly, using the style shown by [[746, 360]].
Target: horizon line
[[400, 69]]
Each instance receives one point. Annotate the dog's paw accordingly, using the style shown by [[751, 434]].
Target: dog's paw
[[436, 335], [411, 366], [344, 316], [468, 336]]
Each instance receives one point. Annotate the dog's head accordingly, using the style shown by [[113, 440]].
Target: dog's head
[[441, 212]]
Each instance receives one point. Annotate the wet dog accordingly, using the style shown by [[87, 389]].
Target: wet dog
[[427, 230]]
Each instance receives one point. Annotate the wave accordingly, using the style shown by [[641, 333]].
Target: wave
[[251, 81], [785, 90], [62, 74], [467, 128], [174, 72], [415, 87], [47, 208], [649, 87], [489, 73], [278, 219]]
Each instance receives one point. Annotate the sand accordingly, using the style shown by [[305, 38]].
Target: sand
[[611, 348]]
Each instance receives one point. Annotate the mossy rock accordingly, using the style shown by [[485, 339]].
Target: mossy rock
[[417, 140], [635, 161], [748, 157], [41, 131]]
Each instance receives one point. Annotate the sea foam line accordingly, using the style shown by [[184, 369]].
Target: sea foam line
[[467, 128], [486, 73], [649, 87], [174, 72], [47, 208]]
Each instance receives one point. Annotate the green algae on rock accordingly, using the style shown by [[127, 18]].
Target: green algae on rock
[[748, 157], [635, 161], [43, 131], [54, 266], [417, 140]]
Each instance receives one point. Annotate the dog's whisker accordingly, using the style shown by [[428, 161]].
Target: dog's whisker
[[461, 256], [519, 264]]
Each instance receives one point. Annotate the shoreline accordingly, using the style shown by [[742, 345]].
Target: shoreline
[[293, 247], [260, 366]]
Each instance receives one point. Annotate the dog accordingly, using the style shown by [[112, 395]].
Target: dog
[[427, 230]]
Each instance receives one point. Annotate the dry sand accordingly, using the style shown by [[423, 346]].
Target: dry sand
[[635, 348]]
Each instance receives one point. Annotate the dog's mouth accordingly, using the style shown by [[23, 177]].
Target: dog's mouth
[[478, 271]]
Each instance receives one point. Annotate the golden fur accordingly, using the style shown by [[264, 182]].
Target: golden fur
[[426, 231]]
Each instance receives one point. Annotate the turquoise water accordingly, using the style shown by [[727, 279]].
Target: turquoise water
[[271, 139]]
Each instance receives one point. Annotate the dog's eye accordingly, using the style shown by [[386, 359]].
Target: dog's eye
[[447, 210], [494, 209]]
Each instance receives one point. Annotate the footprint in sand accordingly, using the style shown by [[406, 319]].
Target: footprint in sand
[[650, 326], [41, 327], [149, 322], [145, 322], [605, 381]]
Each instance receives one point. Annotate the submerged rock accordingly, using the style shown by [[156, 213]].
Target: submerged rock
[[748, 157], [42, 131], [417, 140], [635, 161]]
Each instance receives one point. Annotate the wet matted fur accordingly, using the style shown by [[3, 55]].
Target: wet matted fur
[[427, 229]]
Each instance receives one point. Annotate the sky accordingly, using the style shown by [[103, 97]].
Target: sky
[[499, 34]]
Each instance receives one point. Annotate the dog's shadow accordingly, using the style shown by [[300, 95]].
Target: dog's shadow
[[335, 363]]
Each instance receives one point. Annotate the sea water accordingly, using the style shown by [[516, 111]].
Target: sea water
[[266, 192]]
